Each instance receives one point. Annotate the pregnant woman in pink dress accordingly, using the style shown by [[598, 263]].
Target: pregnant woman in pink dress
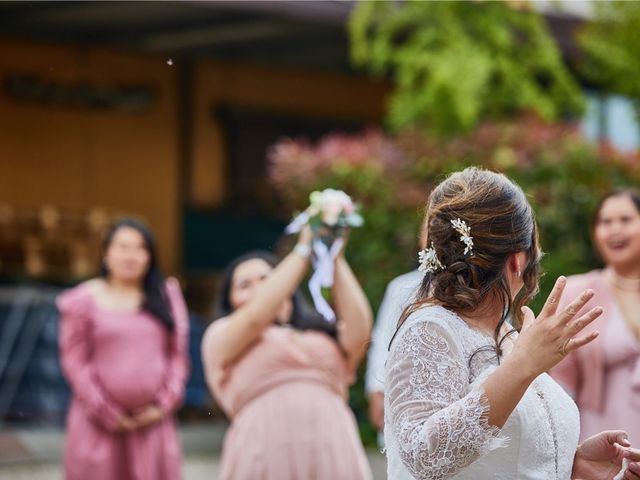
[[604, 376], [281, 373], [123, 342]]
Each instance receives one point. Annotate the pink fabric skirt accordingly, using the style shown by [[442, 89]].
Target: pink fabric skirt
[[92, 453], [295, 431]]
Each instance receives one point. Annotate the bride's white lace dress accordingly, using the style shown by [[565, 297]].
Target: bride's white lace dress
[[435, 410]]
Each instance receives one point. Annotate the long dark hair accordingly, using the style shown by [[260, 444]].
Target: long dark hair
[[155, 295], [501, 222], [303, 317]]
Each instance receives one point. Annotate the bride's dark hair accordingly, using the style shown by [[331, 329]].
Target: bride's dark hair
[[501, 222]]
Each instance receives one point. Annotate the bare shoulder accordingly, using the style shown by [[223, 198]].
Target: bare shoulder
[[212, 339], [214, 330], [96, 288], [94, 285], [81, 297]]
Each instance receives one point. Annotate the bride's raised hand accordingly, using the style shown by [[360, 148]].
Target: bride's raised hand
[[547, 339]]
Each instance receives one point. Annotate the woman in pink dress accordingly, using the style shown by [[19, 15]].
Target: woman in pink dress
[[123, 343], [281, 372], [604, 376]]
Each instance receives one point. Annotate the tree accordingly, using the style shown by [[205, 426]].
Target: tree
[[454, 64], [611, 47]]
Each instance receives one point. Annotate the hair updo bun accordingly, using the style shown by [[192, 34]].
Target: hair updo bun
[[500, 222]]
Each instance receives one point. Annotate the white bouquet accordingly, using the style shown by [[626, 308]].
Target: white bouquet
[[333, 208], [330, 212]]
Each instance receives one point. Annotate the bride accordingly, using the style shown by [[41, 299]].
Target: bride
[[466, 396]]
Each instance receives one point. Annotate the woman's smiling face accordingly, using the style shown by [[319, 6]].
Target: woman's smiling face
[[617, 232]]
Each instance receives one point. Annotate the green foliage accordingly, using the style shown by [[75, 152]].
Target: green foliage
[[611, 44], [454, 64], [390, 178]]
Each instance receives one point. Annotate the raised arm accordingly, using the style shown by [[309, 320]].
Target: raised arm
[[543, 343], [245, 325], [353, 312]]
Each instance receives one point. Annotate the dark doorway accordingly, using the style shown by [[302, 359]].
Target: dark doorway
[[248, 135]]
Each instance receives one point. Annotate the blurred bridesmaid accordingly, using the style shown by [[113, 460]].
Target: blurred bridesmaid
[[123, 343], [281, 372], [604, 376]]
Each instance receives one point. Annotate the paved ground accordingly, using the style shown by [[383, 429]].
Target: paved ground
[[35, 454], [195, 468]]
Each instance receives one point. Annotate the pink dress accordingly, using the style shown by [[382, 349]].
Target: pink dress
[[603, 376], [116, 363], [286, 398]]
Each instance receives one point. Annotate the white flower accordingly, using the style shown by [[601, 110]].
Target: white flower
[[429, 261], [355, 220], [315, 200], [334, 207], [463, 229], [331, 211]]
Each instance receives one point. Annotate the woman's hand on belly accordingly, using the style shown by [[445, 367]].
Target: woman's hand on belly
[[125, 424], [148, 416]]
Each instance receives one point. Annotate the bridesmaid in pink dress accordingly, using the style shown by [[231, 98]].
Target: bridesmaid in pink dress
[[123, 342], [281, 373], [604, 376]]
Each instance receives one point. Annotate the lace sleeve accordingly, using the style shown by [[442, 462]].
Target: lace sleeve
[[438, 420]]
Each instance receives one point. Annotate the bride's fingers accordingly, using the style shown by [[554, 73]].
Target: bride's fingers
[[576, 343], [621, 438], [551, 305], [528, 317], [633, 454], [633, 472], [574, 307], [578, 324]]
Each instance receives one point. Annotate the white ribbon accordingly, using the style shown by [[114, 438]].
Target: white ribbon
[[323, 266], [296, 225], [322, 277], [625, 465]]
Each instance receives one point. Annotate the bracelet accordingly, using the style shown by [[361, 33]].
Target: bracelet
[[303, 250]]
